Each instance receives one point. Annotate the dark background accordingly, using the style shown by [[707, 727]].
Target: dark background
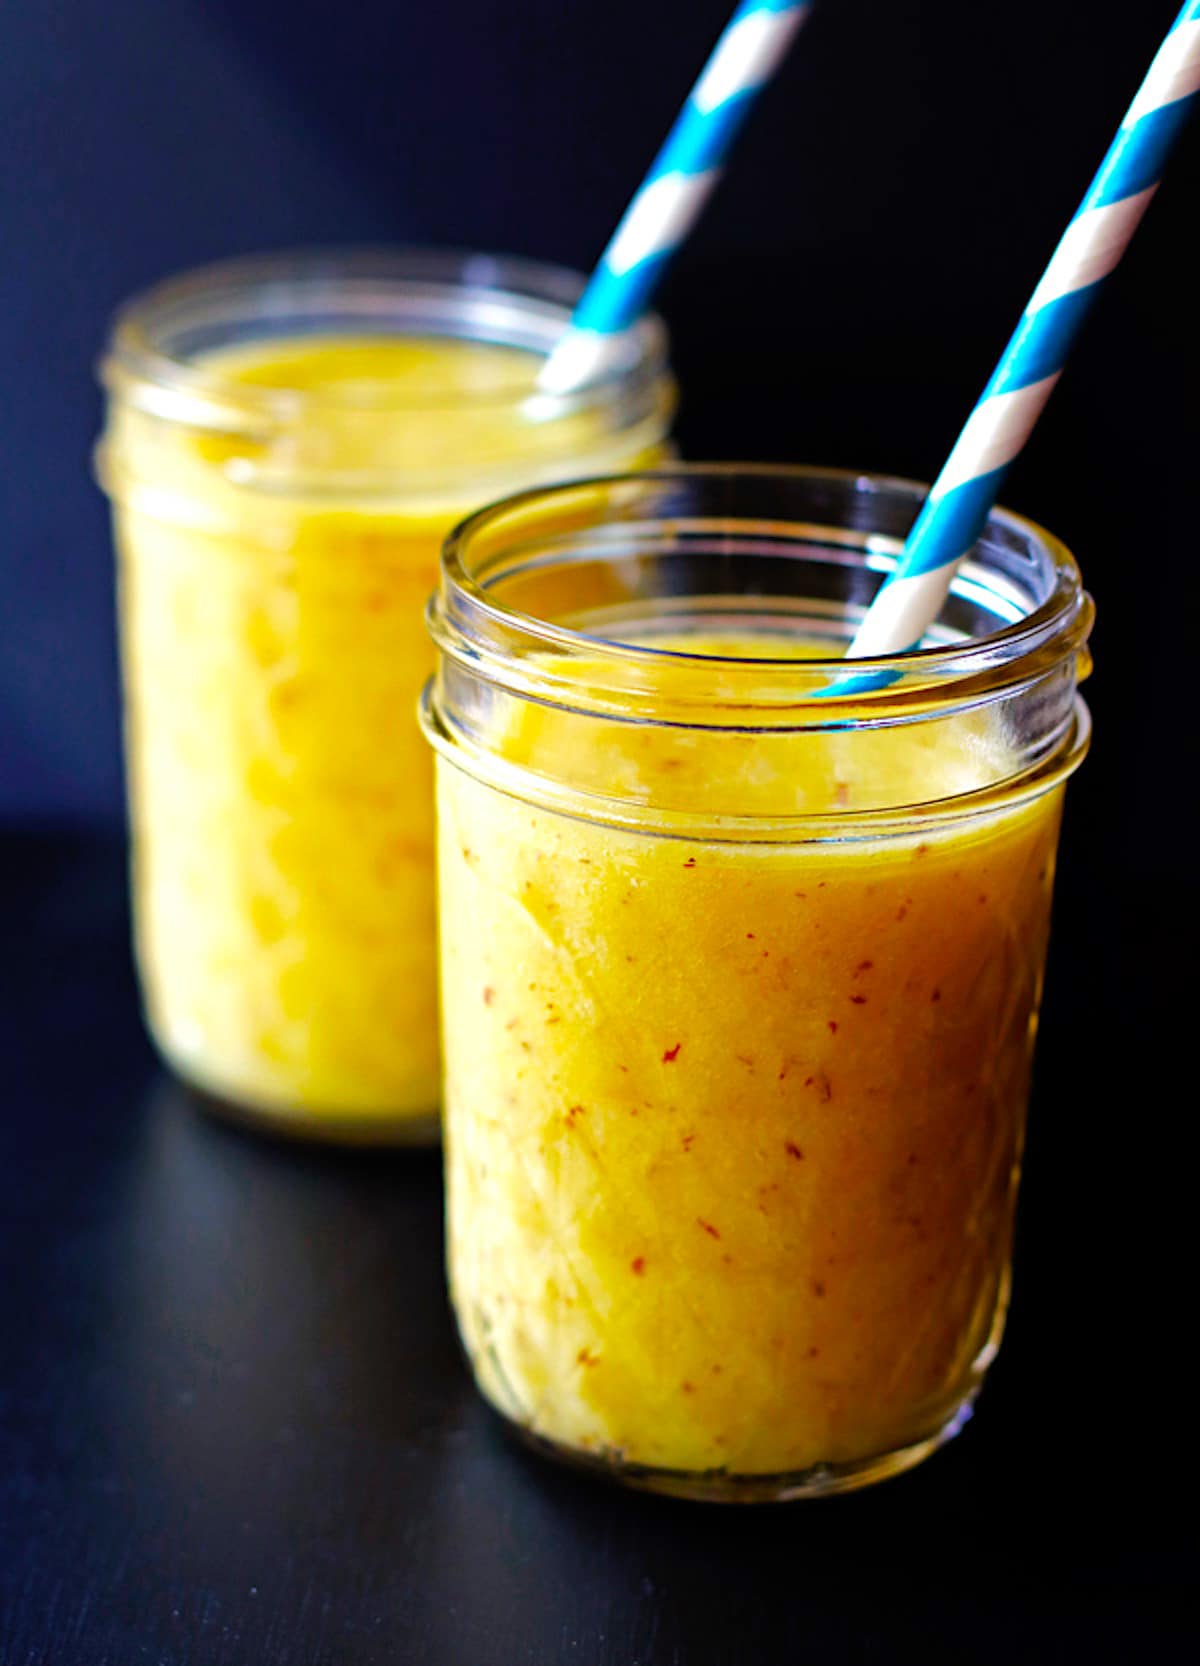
[[232, 1425], [890, 208]]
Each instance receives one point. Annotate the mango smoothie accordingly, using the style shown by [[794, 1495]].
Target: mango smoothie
[[280, 495], [737, 1057]]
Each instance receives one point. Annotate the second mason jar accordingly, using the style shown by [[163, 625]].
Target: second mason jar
[[288, 440]]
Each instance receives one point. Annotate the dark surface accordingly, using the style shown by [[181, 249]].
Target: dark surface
[[236, 1431], [889, 209]]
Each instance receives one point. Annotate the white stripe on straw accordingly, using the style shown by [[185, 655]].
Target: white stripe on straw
[[1091, 247], [659, 217], [673, 194], [994, 433], [747, 54]]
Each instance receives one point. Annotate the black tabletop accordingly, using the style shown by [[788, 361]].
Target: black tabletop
[[236, 1428]]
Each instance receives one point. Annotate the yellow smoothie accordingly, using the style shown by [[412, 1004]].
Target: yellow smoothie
[[273, 574], [734, 1128]]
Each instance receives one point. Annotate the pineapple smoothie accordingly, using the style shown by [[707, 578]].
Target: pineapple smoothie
[[280, 491], [733, 1132], [738, 1034]]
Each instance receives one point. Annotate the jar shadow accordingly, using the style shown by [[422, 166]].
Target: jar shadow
[[281, 1351]]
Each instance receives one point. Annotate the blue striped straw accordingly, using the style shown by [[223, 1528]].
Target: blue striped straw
[[956, 510], [672, 195]]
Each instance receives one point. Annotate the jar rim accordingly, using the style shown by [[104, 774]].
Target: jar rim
[[1060, 623], [506, 299], [816, 826]]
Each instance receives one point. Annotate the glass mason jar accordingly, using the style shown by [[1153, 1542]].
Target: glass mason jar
[[741, 966], [288, 440]]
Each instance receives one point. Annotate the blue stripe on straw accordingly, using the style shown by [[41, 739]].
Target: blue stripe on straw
[[952, 518], [961, 513], [1139, 154], [700, 139], [1042, 341], [609, 306]]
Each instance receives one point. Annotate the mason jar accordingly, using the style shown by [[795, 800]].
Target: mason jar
[[741, 962], [288, 440]]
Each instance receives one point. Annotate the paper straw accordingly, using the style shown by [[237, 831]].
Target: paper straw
[[674, 192], [956, 510]]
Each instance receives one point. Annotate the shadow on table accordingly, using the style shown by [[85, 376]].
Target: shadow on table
[[279, 1341], [990, 1553], [293, 1450]]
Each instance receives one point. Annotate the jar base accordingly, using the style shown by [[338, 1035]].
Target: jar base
[[723, 1487], [422, 1130], [324, 1128]]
